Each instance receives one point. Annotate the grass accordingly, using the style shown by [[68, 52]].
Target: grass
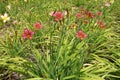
[[54, 52]]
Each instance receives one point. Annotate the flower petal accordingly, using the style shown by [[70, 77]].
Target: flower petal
[[5, 15]]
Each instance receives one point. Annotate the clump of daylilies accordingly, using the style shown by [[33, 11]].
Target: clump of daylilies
[[28, 34], [86, 15], [59, 15]]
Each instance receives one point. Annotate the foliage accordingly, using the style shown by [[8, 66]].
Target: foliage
[[60, 40]]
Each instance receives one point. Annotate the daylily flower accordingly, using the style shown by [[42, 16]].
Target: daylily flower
[[99, 13], [27, 34], [53, 12], [5, 17], [58, 16], [107, 4], [80, 34], [101, 24], [79, 15], [38, 25]]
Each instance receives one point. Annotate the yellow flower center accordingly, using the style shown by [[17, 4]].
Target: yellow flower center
[[5, 18]]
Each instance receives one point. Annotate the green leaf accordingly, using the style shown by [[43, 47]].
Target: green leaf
[[38, 79], [69, 77]]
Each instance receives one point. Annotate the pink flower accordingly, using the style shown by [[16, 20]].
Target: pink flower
[[58, 16], [78, 15], [99, 13], [27, 34], [80, 34], [107, 4], [37, 25]]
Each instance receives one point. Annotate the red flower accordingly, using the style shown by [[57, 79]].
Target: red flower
[[38, 25], [99, 13], [101, 24], [80, 34], [58, 16], [78, 15], [27, 34]]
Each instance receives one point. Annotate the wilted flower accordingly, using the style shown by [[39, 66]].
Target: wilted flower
[[38, 25], [58, 16], [101, 7], [27, 34], [89, 14], [51, 13], [86, 21], [74, 26], [65, 13], [79, 15], [5, 17], [83, 10], [9, 6], [15, 22], [107, 4], [80, 34], [74, 8]]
